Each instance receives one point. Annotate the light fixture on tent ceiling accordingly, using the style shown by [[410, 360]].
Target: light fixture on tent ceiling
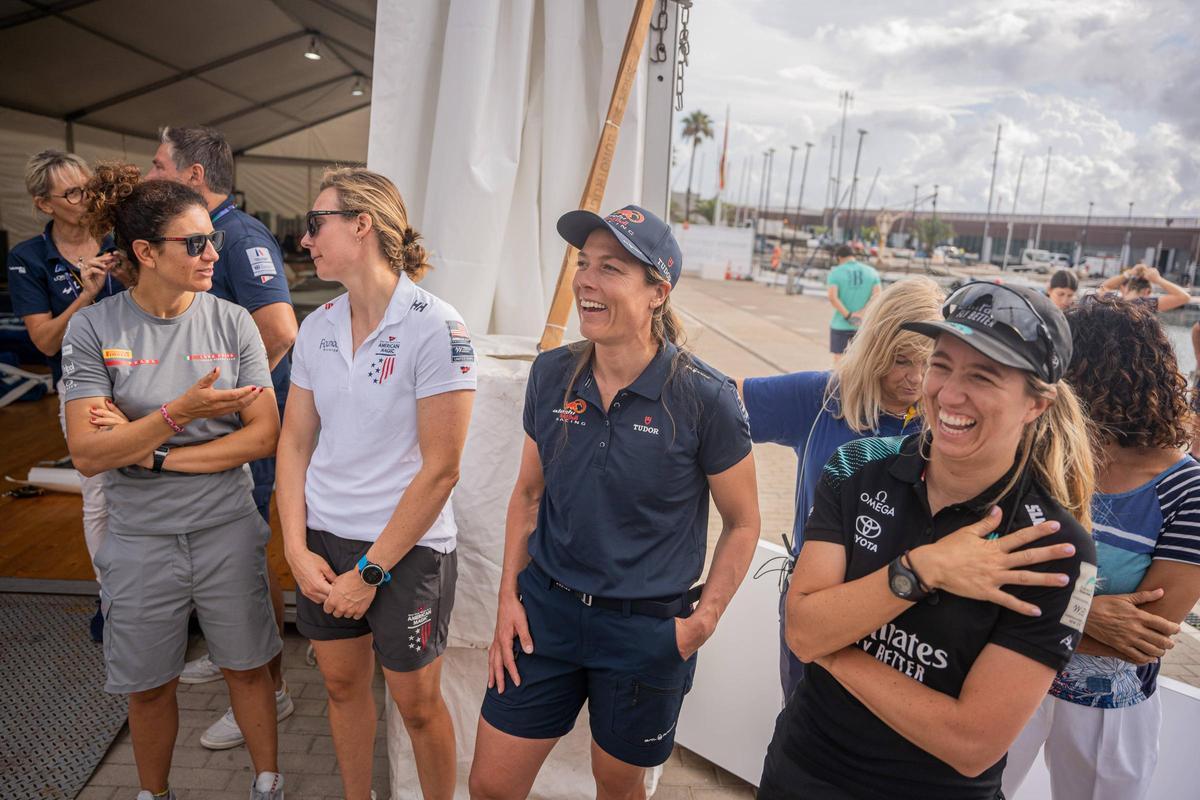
[[357, 89], [312, 53]]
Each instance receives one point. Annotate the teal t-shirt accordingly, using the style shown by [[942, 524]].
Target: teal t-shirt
[[854, 282]]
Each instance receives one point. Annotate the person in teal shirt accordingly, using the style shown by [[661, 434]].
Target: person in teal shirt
[[851, 286]]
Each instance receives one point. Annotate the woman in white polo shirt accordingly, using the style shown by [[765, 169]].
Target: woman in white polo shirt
[[385, 373]]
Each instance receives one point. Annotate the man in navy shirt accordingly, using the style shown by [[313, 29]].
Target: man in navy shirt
[[250, 273]]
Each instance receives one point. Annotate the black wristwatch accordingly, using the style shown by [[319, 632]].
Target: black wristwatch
[[160, 455], [904, 583], [372, 574]]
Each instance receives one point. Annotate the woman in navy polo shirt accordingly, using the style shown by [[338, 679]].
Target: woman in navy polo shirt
[[930, 629], [55, 274], [873, 391], [606, 532]]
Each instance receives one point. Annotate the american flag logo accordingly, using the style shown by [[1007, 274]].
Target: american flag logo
[[420, 626], [382, 369]]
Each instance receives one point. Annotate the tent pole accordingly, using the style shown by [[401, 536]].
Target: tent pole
[[593, 190]]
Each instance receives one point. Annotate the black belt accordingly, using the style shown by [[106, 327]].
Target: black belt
[[662, 607]]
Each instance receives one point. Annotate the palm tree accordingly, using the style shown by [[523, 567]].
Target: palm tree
[[697, 126]]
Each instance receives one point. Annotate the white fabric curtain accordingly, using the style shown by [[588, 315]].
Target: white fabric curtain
[[486, 114]]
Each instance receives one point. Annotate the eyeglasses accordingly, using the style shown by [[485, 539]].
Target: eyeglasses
[[1012, 309], [196, 242], [314, 227], [73, 196]]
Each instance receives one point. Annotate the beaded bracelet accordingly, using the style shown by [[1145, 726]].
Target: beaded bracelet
[[167, 417]]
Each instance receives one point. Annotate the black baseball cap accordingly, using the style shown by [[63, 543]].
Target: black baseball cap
[[644, 235], [1009, 324]]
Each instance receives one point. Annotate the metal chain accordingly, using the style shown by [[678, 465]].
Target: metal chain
[[685, 12], [659, 26]]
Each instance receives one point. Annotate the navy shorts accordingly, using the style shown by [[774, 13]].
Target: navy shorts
[[627, 668], [838, 339]]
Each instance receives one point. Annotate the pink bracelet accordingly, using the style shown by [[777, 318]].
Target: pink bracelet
[[167, 417]]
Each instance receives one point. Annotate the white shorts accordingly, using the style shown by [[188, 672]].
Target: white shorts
[[1092, 753]]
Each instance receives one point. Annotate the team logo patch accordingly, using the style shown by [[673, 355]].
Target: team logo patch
[[879, 502], [17, 268], [211, 357], [420, 626], [261, 263], [382, 369], [115, 357], [464, 369], [419, 305], [1081, 598], [572, 411], [963, 329], [626, 216], [865, 529], [460, 342], [328, 306], [68, 367], [646, 428], [67, 350], [329, 345]]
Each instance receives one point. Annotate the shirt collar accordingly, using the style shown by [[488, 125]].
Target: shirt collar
[[910, 468], [224, 208], [650, 383], [52, 255], [398, 307]]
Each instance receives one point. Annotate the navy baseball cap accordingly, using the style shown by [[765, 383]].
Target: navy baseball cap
[[644, 235]]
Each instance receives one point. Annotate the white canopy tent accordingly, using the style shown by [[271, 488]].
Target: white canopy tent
[[101, 76]]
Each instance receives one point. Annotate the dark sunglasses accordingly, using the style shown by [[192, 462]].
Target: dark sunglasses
[[1013, 310], [314, 227], [73, 196], [196, 242]]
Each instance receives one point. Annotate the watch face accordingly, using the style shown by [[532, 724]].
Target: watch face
[[902, 585], [372, 574]]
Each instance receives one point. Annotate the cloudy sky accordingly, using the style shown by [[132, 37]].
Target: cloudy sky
[[1113, 86]]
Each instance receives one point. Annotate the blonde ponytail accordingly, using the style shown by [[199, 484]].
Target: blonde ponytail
[[1058, 447]]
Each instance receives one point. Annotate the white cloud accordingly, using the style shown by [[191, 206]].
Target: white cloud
[[1112, 85]]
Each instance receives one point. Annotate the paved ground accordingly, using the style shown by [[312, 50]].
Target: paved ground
[[742, 329]]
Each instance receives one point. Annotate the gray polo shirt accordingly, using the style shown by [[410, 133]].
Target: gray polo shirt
[[115, 349]]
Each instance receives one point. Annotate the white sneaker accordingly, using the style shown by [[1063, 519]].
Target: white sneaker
[[202, 670], [146, 794], [267, 786], [225, 733]]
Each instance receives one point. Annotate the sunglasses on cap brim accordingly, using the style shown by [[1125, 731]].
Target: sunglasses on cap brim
[[196, 242], [312, 223], [1013, 310]]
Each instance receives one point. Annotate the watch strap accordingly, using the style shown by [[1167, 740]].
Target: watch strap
[[160, 455], [363, 563], [900, 573]]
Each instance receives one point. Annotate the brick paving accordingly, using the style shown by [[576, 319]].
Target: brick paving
[[742, 329]]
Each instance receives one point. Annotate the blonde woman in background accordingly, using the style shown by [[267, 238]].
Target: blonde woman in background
[[873, 391], [386, 374], [52, 276]]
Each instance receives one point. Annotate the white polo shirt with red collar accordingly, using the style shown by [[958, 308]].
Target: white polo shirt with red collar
[[368, 452]]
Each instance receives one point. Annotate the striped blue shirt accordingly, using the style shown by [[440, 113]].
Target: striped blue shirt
[[1158, 520]]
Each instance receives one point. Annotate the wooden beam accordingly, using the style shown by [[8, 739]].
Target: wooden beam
[[597, 180]]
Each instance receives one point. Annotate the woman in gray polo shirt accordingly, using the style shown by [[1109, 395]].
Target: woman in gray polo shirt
[[168, 396]]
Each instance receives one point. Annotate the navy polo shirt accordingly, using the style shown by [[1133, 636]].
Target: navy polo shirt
[[625, 509], [41, 281], [250, 273]]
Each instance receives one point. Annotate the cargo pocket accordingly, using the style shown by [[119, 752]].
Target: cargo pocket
[[646, 709]]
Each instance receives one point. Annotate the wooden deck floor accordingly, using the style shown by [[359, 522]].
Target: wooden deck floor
[[42, 537]]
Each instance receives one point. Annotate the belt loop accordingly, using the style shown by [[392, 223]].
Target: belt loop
[[626, 608]]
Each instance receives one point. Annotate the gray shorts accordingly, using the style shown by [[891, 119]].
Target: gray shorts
[[838, 339], [150, 584], [410, 615]]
